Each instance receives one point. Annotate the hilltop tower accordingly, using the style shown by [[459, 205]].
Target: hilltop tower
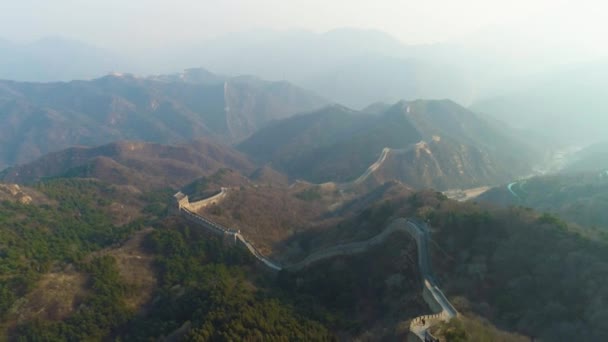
[[181, 201]]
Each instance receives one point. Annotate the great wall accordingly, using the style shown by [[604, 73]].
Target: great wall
[[188, 210], [432, 295]]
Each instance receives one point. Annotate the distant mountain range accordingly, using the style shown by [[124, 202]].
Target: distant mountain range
[[427, 144], [354, 67], [350, 66], [569, 104], [44, 117], [57, 59], [435, 144]]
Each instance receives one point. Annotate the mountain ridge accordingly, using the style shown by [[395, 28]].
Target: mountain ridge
[[47, 117], [140, 164], [338, 144]]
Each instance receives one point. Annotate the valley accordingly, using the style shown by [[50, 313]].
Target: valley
[[185, 174], [291, 226]]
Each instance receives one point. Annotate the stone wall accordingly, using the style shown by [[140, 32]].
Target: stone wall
[[198, 205], [438, 303], [188, 210]]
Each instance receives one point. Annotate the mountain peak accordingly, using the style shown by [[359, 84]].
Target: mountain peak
[[338, 107], [159, 109]]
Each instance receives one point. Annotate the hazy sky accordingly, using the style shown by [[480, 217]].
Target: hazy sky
[[125, 24]]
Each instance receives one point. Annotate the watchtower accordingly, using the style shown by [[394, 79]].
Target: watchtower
[[181, 201]]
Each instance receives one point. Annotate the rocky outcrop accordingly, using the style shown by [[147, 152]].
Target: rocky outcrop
[[13, 192]]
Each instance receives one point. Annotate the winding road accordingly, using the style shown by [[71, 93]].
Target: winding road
[[510, 188]]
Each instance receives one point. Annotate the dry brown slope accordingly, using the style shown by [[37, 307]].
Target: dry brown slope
[[144, 165]]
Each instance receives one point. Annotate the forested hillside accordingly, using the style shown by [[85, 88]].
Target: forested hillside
[[580, 197], [85, 238], [43, 242], [524, 271]]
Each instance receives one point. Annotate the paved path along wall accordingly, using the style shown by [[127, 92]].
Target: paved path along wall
[[196, 206], [432, 295], [363, 177], [189, 211], [372, 168], [415, 228]]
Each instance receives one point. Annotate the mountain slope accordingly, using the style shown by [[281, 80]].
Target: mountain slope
[[442, 164], [459, 149], [46, 117], [333, 144], [143, 165], [523, 271], [580, 197]]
